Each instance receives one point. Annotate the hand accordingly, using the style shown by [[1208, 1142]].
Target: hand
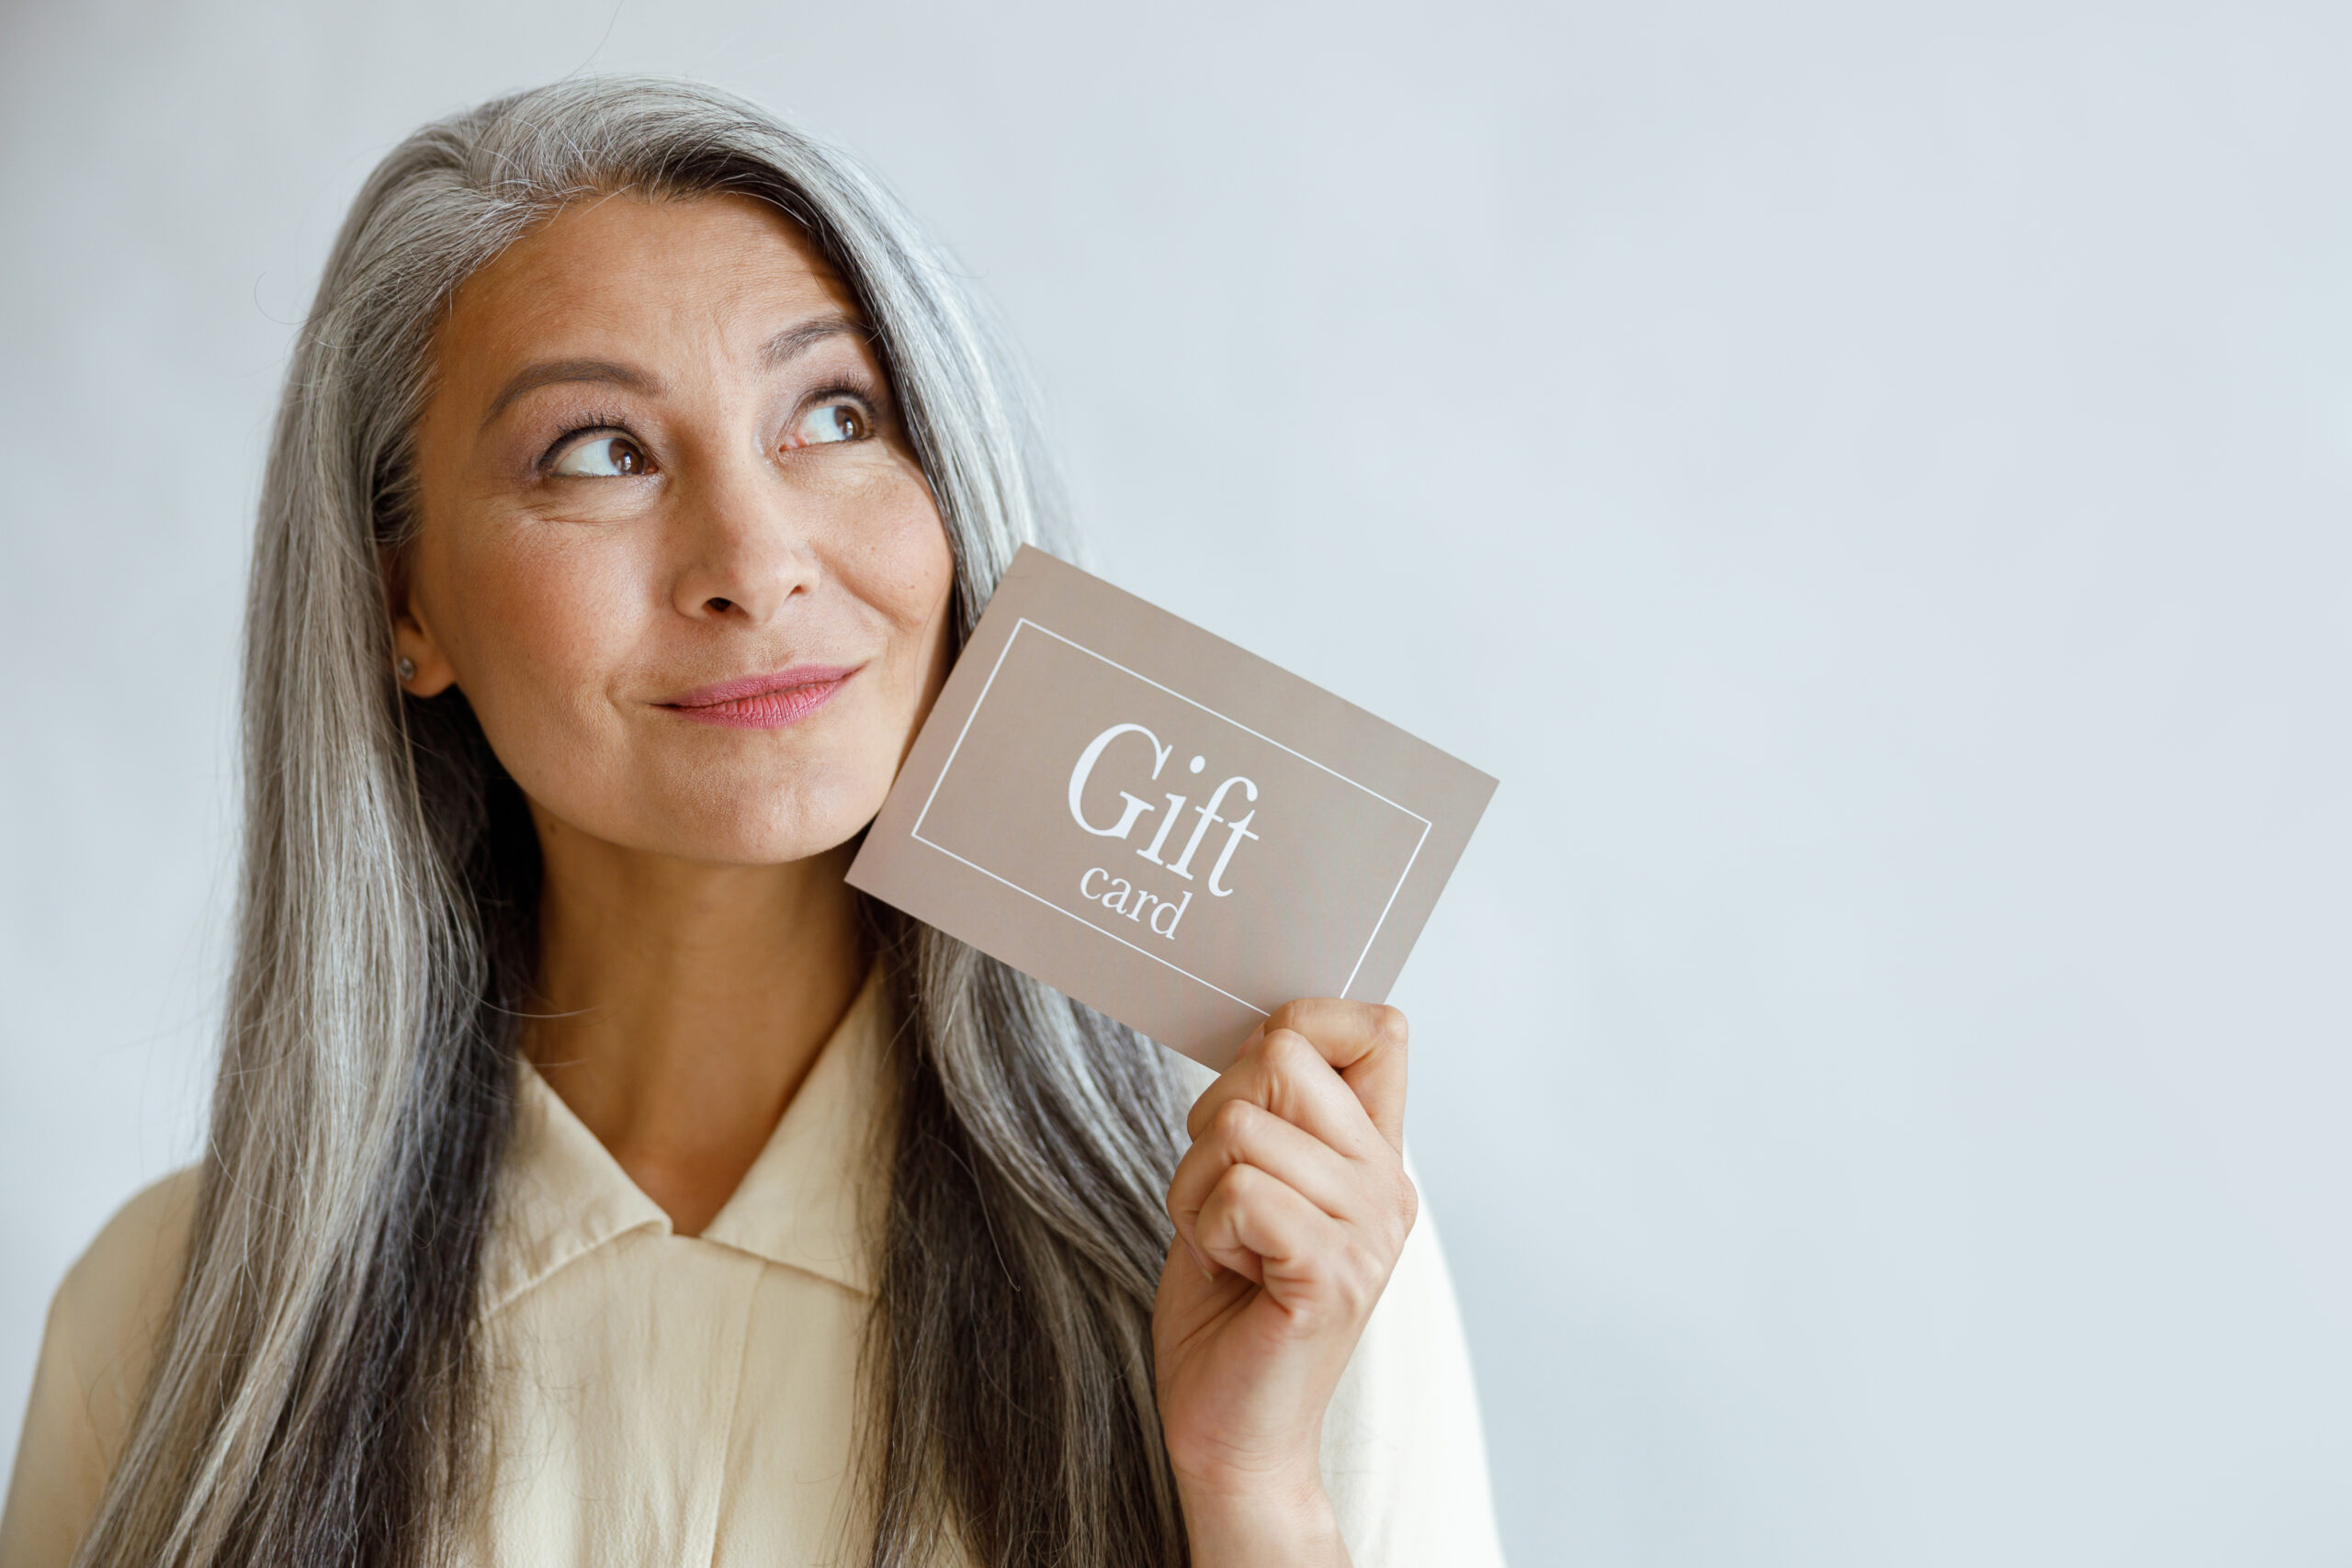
[[1290, 1209]]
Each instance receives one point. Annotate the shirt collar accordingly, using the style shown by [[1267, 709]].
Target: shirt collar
[[809, 1200]]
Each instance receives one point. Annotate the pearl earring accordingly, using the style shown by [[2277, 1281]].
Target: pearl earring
[[407, 668]]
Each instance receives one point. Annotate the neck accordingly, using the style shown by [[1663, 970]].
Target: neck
[[681, 1004]]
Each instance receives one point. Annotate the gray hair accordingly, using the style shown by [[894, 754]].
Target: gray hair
[[316, 1394]]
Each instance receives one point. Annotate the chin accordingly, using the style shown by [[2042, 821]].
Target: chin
[[769, 831]]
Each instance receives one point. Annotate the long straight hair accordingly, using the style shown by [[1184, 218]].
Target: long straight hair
[[316, 1395]]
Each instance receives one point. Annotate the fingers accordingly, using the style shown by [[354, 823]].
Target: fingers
[[1267, 1230], [1284, 1075], [1309, 1117], [1254, 1224], [1364, 1043], [1243, 1133], [1307, 1049]]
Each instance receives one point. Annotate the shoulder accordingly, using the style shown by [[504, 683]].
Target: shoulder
[[115, 1297], [103, 1327], [1404, 1453], [106, 1317]]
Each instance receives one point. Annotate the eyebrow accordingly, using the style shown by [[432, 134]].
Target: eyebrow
[[779, 350], [794, 341], [554, 372]]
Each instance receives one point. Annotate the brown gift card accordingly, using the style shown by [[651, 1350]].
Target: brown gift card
[[1162, 826]]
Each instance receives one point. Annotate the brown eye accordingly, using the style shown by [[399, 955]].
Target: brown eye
[[839, 420], [602, 457]]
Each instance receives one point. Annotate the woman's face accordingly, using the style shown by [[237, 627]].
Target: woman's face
[[673, 544]]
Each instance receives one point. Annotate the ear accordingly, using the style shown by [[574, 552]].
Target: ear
[[413, 638]]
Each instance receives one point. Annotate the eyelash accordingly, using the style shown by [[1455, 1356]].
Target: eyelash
[[613, 425], [600, 425], [863, 396]]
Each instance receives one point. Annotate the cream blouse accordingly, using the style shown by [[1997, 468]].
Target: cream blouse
[[660, 1399]]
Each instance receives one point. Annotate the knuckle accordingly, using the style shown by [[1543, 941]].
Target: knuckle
[[1409, 1209], [1286, 1051], [1241, 1186], [1357, 1280], [1232, 1121], [1389, 1027]]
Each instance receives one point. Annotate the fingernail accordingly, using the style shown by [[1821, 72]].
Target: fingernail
[[1200, 1260]]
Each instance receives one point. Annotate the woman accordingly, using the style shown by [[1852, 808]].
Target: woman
[[593, 1175]]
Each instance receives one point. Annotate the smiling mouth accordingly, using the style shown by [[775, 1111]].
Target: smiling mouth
[[762, 702]]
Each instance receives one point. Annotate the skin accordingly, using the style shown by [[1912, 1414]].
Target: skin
[[660, 453]]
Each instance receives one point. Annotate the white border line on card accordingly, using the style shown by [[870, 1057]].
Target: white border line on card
[[916, 831], [1392, 897]]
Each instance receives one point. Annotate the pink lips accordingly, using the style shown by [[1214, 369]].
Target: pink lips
[[762, 702]]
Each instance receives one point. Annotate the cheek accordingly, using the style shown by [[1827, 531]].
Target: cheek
[[903, 570], [897, 564], [925, 591], [538, 620]]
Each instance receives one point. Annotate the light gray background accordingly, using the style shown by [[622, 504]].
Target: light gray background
[[1871, 480]]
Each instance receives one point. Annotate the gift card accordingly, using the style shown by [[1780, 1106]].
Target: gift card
[[1160, 824]]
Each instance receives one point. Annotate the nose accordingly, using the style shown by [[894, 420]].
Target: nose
[[745, 550]]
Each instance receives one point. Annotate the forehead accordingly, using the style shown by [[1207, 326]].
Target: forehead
[[623, 273]]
